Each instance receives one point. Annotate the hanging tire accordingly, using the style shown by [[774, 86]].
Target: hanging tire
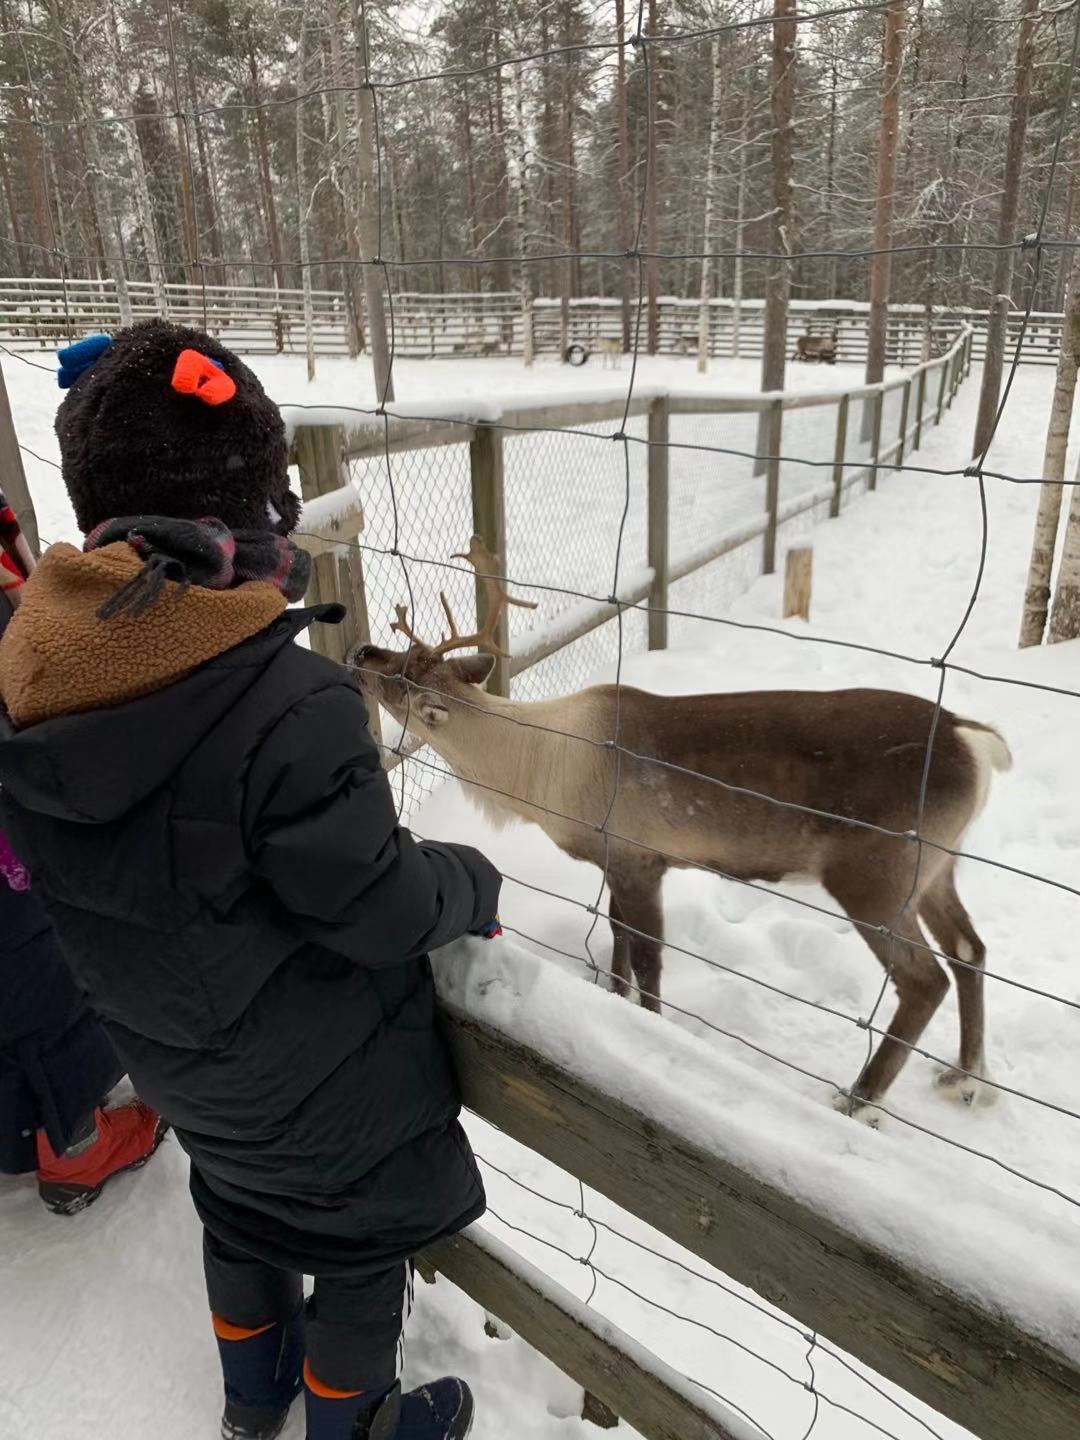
[[576, 353]]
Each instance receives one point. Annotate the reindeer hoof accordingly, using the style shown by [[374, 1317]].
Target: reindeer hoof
[[861, 1110], [965, 1089]]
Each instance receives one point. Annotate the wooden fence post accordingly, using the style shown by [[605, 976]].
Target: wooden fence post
[[320, 457], [838, 456], [920, 397], [798, 580], [659, 418], [875, 440], [774, 430], [953, 368], [13, 476], [905, 406], [489, 522], [941, 391]]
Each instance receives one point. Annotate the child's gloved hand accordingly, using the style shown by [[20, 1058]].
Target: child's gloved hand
[[492, 931]]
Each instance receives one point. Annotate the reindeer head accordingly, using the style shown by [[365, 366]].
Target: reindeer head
[[428, 687]]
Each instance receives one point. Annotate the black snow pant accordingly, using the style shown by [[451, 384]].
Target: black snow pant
[[354, 1325]]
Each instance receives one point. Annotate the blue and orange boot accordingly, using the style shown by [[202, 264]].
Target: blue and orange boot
[[442, 1410], [262, 1370]]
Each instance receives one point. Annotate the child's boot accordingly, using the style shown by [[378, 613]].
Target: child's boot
[[262, 1370], [115, 1141], [442, 1410]]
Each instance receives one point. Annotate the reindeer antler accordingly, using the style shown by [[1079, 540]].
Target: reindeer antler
[[402, 627], [486, 566]]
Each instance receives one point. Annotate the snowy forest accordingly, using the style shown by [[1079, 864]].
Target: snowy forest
[[205, 140]]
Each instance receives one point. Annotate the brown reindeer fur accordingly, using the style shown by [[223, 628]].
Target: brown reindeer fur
[[852, 753]]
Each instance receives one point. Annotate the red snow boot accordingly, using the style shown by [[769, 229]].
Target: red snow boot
[[123, 1139]]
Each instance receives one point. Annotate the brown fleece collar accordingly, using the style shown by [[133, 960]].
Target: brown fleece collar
[[58, 658]]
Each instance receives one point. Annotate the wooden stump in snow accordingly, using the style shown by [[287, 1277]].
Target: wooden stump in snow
[[798, 575]]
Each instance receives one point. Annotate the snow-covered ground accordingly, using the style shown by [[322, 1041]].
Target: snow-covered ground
[[103, 1329]]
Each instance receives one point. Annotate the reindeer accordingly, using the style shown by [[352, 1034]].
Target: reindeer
[[820, 348], [768, 786], [611, 352]]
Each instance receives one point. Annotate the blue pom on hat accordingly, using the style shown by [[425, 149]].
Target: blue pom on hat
[[74, 359]]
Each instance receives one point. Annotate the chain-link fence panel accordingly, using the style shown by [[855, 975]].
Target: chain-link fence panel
[[565, 499], [419, 503]]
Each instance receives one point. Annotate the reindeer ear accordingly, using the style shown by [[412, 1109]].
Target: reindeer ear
[[473, 669], [431, 711]]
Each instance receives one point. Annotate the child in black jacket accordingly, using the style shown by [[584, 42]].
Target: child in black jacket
[[210, 828]]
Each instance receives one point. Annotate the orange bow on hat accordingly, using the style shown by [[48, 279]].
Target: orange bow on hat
[[196, 374]]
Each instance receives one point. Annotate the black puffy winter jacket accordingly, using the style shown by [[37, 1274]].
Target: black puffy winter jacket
[[223, 865]]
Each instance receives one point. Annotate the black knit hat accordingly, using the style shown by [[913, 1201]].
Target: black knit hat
[[131, 443]]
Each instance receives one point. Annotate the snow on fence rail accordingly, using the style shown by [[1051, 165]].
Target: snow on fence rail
[[38, 313]]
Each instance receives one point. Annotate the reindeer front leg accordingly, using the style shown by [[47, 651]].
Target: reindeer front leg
[[637, 923], [620, 950]]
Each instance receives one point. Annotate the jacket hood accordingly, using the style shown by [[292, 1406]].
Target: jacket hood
[[59, 658], [96, 765]]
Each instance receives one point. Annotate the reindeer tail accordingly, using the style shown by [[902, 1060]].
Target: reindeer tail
[[989, 752]]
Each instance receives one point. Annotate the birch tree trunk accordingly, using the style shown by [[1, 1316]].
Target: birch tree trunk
[[652, 282], [781, 239], [187, 184], [368, 237], [566, 267], [521, 162], [740, 211], [626, 223], [144, 209], [209, 225], [710, 211], [303, 200], [1040, 569], [881, 260], [354, 329], [1047, 516], [266, 180], [1000, 298], [1065, 616], [95, 175], [830, 185]]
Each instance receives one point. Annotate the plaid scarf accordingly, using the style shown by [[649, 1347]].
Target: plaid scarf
[[198, 552], [16, 561], [11, 867]]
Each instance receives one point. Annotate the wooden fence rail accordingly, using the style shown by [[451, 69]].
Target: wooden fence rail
[[972, 1365], [626, 1377]]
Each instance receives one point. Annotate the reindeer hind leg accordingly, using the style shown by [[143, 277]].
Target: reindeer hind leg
[[944, 913], [919, 980]]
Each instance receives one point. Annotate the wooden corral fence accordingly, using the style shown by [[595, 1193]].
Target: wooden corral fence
[[40, 313], [969, 1364], [323, 452]]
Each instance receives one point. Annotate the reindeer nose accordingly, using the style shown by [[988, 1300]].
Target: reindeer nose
[[360, 654]]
